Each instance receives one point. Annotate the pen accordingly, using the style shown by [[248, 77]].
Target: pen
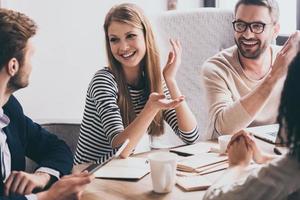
[[277, 151]]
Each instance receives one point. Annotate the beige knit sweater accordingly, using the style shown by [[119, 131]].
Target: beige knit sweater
[[225, 83]]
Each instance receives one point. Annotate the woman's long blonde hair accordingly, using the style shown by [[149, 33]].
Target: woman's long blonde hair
[[133, 15]]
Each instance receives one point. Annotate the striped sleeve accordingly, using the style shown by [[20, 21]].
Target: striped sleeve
[[103, 91], [171, 118]]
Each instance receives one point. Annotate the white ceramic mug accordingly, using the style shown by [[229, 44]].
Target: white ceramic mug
[[223, 142], [163, 171]]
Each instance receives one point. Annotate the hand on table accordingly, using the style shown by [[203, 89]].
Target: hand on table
[[22, 183], [239, 151], [68, 187]]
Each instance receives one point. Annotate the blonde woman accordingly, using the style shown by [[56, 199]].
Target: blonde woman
[[129, 98]]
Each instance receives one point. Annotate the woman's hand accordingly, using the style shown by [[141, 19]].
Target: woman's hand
[[259, 156], [174, 60], [239, 150], [160, 102]]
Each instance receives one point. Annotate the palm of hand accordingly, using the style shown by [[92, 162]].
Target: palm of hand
[[286, 54], [174, 60], [159, 101]]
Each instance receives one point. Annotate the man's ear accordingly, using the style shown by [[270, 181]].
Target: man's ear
[[12, 66]]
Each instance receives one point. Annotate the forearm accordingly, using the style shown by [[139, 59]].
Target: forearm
[[185, 118], [135, 130], [230, 118], [255, 100]]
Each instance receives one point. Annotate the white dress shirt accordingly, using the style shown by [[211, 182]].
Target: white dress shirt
[[6, 157]]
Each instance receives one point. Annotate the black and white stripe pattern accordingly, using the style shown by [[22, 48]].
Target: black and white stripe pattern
[[102, 119]]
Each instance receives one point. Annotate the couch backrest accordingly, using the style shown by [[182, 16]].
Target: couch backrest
[[65, 131], [202, 32]]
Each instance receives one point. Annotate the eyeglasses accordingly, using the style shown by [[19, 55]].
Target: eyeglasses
[[255, 27]]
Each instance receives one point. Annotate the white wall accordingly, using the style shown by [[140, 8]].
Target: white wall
[[69, 50]]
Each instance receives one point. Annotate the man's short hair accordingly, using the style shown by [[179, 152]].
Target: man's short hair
[[272, 5], [15, 31]]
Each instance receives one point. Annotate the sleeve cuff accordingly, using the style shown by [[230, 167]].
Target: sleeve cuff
[[49, 171], [31, 197]]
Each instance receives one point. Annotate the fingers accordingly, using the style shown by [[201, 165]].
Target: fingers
[[235, 136], [174, 103], [155, 96], [81, 174], [171, 58], [18, 183], [8, 184], [290, 44], [79, 180], [176, 48], [241, 134]]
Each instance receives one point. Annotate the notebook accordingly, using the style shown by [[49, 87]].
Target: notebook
[[194, 149], [193, 183], [267, 133], [131, 168], [201, 162]]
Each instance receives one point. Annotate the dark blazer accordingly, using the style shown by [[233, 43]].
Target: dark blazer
[[26, 138]]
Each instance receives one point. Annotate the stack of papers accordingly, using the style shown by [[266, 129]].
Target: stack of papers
[[203, 163], [193, 183]]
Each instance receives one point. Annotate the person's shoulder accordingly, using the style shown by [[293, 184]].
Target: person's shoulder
[[12, 104], [103, 80], [13, 109], [104, 73], [104, 76], [221, 61]]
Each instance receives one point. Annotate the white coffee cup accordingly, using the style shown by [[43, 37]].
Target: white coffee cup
[[223, 142], [163, 171]]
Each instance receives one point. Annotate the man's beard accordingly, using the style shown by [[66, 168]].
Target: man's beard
[[15, 82], [249, 53]]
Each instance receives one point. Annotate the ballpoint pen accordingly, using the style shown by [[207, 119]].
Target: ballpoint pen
[[277, 151]]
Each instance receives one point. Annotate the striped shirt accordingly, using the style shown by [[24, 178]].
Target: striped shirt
[[102, 120]]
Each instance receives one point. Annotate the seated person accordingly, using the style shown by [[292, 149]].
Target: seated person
[[19, 135], [279, 178], [128, 98], [244, 82]]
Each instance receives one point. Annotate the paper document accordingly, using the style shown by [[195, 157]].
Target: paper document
[[129, 168], [194, 149], [201, 162], [268, 132], [193, 183]]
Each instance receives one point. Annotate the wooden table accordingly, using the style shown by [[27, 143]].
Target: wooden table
[[105, 189]]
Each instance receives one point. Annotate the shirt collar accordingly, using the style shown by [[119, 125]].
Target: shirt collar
[[4, 120]]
